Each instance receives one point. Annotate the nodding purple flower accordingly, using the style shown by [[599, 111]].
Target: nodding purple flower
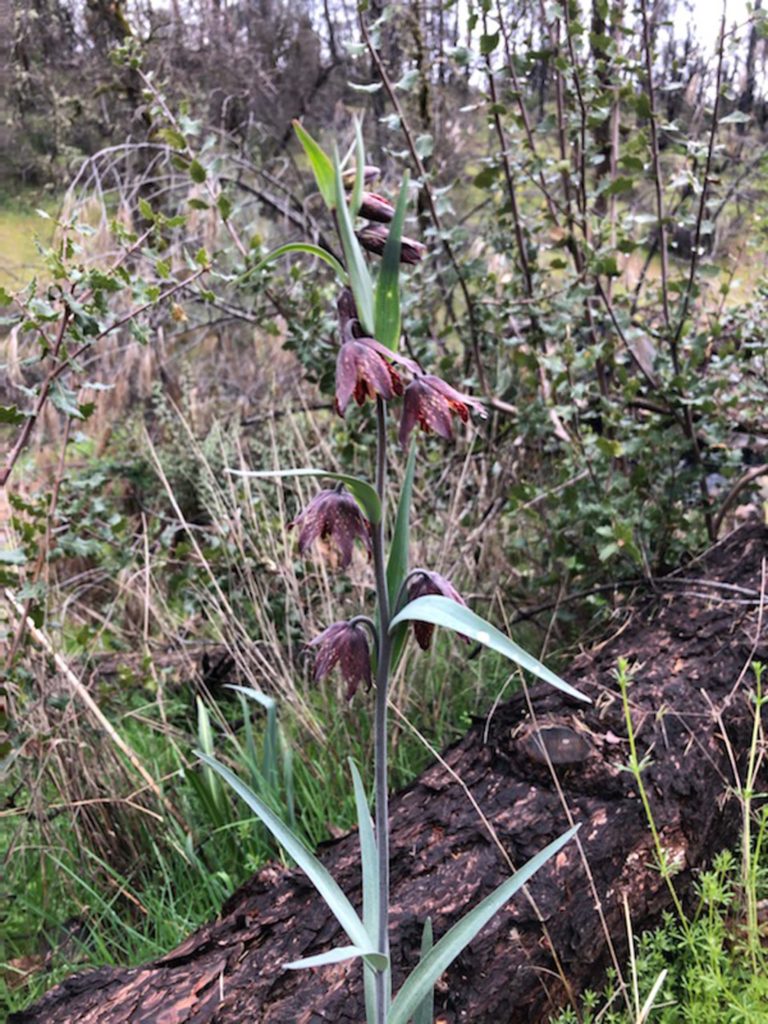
[[424, 583], [333, 515], [429, 401], [363, 372], [376, 207], [345, 644], [373, 237]]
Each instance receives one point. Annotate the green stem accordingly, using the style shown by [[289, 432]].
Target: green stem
[[636, 768], [380, 727]]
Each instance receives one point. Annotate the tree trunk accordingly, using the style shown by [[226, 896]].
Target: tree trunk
[[690, 645]]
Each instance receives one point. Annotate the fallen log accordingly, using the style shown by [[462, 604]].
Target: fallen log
[[690, 653]]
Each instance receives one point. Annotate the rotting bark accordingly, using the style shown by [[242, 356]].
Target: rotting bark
[[689, 651]]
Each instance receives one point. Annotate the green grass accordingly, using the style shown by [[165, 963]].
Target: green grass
[[715, 973], [21, 227]]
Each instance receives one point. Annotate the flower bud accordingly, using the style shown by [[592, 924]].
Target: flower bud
[[376, 207], [374, 238], [370, 174]]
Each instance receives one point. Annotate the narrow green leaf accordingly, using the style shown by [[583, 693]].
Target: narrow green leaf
[[287, 766], [359, 277], [387, 311], [370, 869], [442, 611], [270, 769], [321, 165], [205, 739], [357, 188], [311, 250], [425, 1012], [264, 699], [368, 857], [370, 864], [397, 564], [422, 979], [316, 872], [335, 956], [361, 490]]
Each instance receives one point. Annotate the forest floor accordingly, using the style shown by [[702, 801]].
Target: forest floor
[[692, 645]]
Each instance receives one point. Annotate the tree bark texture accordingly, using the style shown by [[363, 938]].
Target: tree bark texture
[[689, 643]]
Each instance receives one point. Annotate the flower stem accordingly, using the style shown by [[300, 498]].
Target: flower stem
[[380, 729]]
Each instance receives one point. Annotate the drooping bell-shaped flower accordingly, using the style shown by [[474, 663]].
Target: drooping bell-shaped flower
[[344, 644], [373, 237], [333, 515], [363, 372], [430, 402], [422, 584]]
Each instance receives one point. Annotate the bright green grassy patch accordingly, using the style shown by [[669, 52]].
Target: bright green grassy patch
[[21, 227], [716, 971]]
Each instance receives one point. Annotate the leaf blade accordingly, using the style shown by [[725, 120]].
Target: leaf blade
[[305, 247], [316, 872], [442, 611], [387, 308], [422, 979], [363, 493], [320, 162], [425, 1012], [368, 856], [357, 188], [335, 956], [359, 276]]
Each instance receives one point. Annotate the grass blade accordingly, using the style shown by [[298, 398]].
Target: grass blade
[[423, 977], [315, 871], [387, 309], [442, 611], [205, 739]]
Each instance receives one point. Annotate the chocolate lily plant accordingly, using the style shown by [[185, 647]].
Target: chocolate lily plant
[[366, 647]]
